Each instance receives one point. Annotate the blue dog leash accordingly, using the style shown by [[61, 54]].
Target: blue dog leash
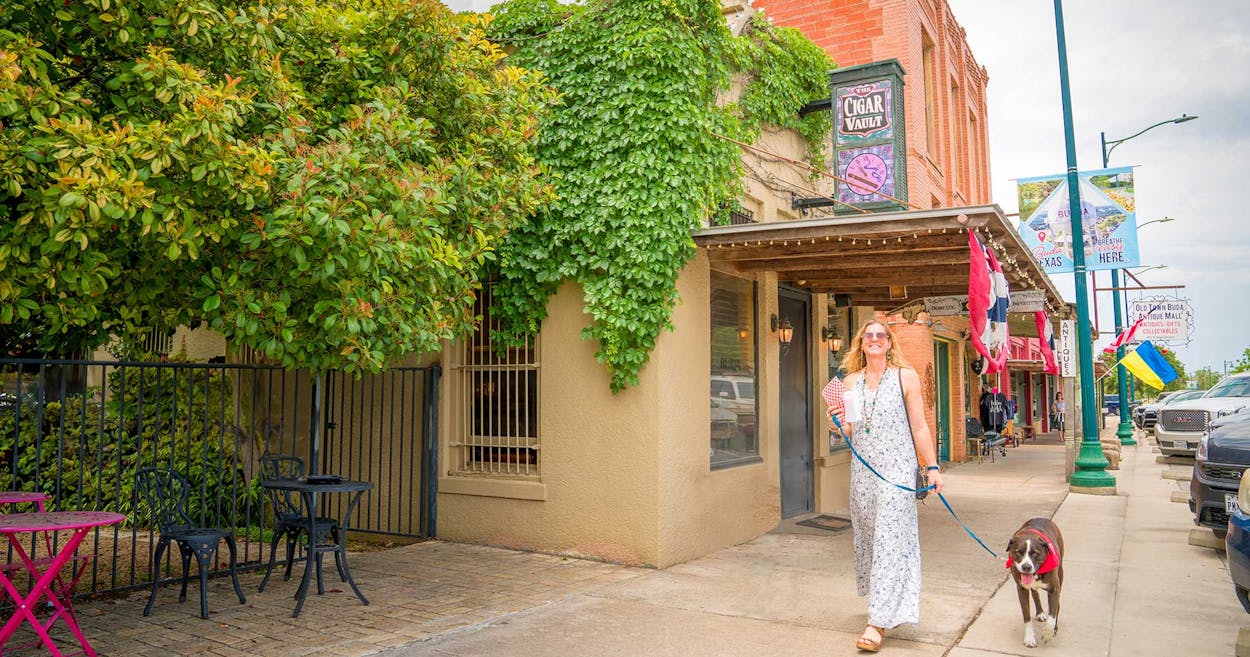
[[942, 497]]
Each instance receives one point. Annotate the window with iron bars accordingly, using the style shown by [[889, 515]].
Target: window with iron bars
[[496, 402]]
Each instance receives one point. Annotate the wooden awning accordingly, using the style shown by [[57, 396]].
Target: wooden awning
[[885, 260]]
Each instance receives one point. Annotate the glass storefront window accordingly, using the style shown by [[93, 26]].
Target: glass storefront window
[[735, 434]]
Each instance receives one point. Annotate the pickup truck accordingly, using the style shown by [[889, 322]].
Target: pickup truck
[[1183, 424]]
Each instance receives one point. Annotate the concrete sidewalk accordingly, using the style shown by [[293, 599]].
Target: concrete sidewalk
[[1133, 584]]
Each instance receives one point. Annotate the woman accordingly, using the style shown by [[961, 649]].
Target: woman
[[1059, 408], [891, 432]]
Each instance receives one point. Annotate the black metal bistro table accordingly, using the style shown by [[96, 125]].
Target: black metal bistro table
[[310, 489]]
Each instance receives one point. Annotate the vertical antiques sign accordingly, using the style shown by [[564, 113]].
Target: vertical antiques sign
[[1067, 349], [870, 151]]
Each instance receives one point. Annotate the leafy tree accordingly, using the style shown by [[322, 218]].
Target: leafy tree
[[1243, 363], [1206, 377], [323, 181]]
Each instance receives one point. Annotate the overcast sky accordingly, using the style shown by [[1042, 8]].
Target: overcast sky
[[1132, 63]]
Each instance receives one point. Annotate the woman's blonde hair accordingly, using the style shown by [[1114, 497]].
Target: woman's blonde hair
[[854, 360]]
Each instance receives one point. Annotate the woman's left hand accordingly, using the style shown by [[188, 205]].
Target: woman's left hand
[[935, 478]]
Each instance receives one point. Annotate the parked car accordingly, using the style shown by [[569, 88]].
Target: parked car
[[734, 393], [1183, 424], [1222, 455], [1110, 404], [1237, 543], [1145, 416]]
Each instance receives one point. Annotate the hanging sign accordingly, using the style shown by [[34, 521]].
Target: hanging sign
[[946, 306], [1066, 355], [1027, 301], [1169, 320], [870, 152], [1108, 219]]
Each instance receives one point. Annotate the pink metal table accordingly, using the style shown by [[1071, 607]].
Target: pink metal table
[[77, 524], [23, 497]]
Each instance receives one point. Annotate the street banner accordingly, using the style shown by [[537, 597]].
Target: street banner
[[1108, 219], [1067, 348], [1165, 319]]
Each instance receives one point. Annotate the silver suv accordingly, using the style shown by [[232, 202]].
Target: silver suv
[[1182, 425]]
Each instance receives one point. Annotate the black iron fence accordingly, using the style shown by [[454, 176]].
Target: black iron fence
[[79, 430]]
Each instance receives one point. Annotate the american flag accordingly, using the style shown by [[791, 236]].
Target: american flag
[[1127, 335], [988, 299], [1046, 335]]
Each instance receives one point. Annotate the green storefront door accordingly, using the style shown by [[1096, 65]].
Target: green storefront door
[[942, 397]]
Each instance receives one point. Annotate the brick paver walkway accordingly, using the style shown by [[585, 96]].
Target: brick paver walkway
[[415, 592]]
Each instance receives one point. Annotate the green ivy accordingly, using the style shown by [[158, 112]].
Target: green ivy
[[632, 144]]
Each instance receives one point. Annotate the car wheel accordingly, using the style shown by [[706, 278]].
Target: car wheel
[[1243, 596]]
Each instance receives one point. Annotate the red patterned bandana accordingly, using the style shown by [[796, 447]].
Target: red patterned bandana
[[1052, 554]]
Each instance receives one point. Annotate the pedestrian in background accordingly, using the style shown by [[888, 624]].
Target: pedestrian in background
[[1060, 408]]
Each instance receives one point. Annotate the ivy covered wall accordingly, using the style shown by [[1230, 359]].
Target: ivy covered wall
[[634, 149]]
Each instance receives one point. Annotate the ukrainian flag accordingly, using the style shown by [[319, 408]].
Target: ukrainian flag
[[1148, 365]]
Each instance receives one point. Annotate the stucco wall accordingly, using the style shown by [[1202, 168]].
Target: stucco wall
[[597, 495], [703, 510]]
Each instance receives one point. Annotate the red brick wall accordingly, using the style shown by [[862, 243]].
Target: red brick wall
[[855, 32]]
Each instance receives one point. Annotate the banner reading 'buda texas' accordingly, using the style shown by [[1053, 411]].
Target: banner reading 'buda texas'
[[1108, 219]]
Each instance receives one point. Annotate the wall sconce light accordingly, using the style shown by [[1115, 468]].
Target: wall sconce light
[[830, 335], [785, 332], [783, 328], [743, 334]]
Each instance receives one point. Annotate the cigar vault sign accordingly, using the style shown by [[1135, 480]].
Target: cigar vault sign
[[870, 151]]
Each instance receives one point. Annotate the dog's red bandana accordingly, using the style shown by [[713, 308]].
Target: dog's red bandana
[[1051, 561]]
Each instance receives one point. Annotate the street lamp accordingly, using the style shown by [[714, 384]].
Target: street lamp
[[1160, 220], [1125, 430], [1091, 466]]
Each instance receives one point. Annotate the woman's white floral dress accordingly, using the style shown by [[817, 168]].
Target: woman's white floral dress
[[887, 538]]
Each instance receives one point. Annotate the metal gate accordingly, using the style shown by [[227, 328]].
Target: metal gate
[[78, 431]]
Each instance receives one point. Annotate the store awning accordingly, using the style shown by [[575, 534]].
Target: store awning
[[885, 260]]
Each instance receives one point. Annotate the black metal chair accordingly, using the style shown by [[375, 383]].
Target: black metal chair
[[166, 493], [290, 519]]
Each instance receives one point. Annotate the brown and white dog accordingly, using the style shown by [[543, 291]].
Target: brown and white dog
[[1035, 558]]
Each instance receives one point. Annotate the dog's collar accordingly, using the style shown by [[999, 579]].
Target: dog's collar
[[1052, 554]]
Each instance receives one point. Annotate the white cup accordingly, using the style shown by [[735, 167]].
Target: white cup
[[850, 399]]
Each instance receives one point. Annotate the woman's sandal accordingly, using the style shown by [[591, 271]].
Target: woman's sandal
[[867, 644]]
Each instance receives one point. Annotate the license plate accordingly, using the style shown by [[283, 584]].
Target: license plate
[[1180, 444], [1230, 503]]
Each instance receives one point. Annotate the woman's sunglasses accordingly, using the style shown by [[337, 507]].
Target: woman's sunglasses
[[873, 335]]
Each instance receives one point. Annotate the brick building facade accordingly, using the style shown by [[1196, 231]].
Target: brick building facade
[[947, 137]]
